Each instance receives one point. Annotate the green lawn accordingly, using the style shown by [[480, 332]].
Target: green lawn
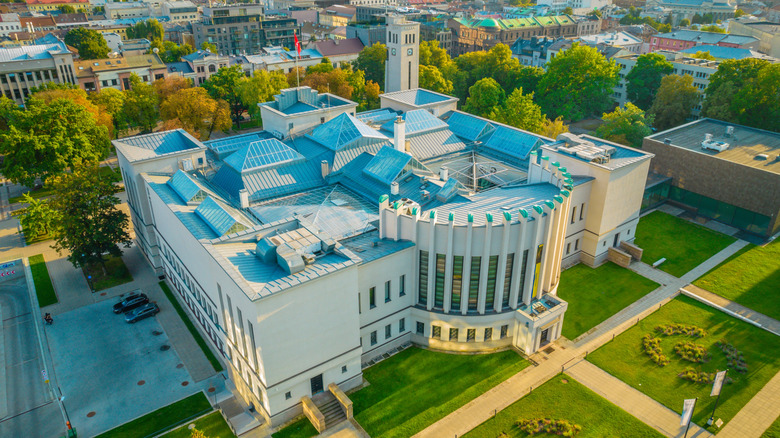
[[116, 274], [162, 419], [212, 425], [108, 172], [773, 431], [684, 245], [300, 429], [36, 194], [191, 327], [661, 383], [415, 388], [43, 287], [596, 294], [750, 277], [569, 401]]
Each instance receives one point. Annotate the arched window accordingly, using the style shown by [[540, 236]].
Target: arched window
[[212, 68]]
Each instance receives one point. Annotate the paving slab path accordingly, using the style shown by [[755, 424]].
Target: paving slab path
[[769, 324], [757, 415]]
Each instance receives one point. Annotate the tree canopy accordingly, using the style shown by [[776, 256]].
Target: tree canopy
[[432, 79], [38, 218], [196, 112], [111, 101], [88, 225], [89, 43], [225, 85], [643, 80], [484, 97], [170, 51], [627, 126], [372, 61], [261, 87], [48, 138], [578, 83], [520, 111], [150, 29], [674, 101], [141, 106]]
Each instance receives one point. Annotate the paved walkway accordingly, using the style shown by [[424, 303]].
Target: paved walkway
[[757, 415], [504, 394], [649, 411], [769, 324]]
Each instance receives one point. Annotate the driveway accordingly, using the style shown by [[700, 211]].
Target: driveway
[[111, 372]]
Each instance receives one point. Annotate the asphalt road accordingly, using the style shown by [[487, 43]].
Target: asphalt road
[[31, 410]]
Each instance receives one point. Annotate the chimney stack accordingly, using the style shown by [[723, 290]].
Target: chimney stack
[[243, 196], [399, 134], [325, 168]]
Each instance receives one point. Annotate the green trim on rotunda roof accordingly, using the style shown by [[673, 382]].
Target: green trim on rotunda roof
[[523, 212], [507, 215], [538, 209], [383, 198], [471, 217], [558, 198]]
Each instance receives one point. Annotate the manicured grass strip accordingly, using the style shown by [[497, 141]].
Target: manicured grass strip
[[684, 245], [625, 359], [415, 388], [212, 425], [191, 327], [35, 194], [43, 287], [594, 295], [162, 419], [569, 401], [750, 277], [300, 429], [107, 172], [116, 274], [773, 431]]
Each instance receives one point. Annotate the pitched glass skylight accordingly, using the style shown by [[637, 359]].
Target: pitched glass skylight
[[468, 127], [185, 187], [386, 164], [217, 218], [341, 131], [417, 121], [513, 141], [224, 146], [259, 154]]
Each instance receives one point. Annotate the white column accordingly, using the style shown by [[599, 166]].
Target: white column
[[465, 284], [501, 272], [538, 238], [483, 267], [431, 259], [546, 252], [562, 233], [448, 265], [518, 266]]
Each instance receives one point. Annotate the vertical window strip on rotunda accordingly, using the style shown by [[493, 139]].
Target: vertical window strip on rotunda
[[423, 289]]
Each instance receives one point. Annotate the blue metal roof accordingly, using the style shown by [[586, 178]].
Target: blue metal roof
[[348, 154], [377, 116], [435, 143], [419, 96], [513, 141], [186, 188], [270, 182], [341, 131], [720, 52], [417, 122], [224, 146], [162, 142], [215, 216], [387, 164], [260, 154], [467, 126]]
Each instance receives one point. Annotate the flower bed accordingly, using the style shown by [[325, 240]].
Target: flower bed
[[692, 352], [700, 376], [652, 347], [734, 357], [546, 425], [681, 329]]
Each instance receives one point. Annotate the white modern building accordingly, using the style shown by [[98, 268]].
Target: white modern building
[[305, 258]]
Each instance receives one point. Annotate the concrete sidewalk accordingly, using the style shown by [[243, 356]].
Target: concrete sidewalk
[[757, 415], [769, 324], [649, 411]]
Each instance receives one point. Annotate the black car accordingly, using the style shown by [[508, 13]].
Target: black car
[[144, 311], [130, 302]]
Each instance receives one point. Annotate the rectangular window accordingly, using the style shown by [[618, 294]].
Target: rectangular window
[[402, 286], [436, 332], [457, 282], [287, 395], [441, 261], [387, 291], [573, 213], [388, 331], [454, 334], [504, 330], [343, 369], [490, 291], [523, 268], [577, 244], [372, 298], [568, 248], [582, 210], [471, 335], [360, 308], [373, 337], [402, 325], [489, 334], [510, 263], [420, 328], [423, 299], [474, 283]]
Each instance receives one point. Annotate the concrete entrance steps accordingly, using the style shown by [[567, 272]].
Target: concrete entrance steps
[[332, 410], [239, 418]]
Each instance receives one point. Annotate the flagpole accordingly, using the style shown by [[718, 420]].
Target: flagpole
[[712, 417], [298, 55], [691, 418]]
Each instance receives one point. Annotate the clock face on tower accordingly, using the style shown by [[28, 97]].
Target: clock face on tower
[[393, 52], [409, 52]]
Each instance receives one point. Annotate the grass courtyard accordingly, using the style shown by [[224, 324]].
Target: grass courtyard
[[750, 277], [162, 419], [44, 289], [684, 245], [563, 398], [212, 425], [594, 295], [415, 388], [116, 274], [634, 367]]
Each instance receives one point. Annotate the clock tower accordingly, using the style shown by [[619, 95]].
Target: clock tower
[[403, 58]]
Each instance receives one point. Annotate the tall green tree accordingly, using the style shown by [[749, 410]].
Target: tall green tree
[[372, 61], [484, 97], [627, 126], [48, 138], [643, 80], [38, 218], [112, 102], [66, 9], [578, 83], [432, 54], [260, 88], [758, 103], [497, 63], [520, 111], [196, 112], [89, 43], [141, 105], [713, 28], [170, 51], [225, 85], [674, 101], [150, 29], [88, 225], [528, 78], [731, 80], [431, 78]]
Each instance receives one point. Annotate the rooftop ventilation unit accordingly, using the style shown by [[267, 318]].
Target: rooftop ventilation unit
[[713, 145]]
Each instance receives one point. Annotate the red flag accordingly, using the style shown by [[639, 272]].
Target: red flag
[[297, 44]]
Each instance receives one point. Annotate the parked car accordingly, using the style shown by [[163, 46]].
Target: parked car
[[144, 311], [130, 302]]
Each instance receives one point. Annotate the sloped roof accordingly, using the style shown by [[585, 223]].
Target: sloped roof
[[511, 141], [417, 122], [224, 146], [467, 126], [185, 187], [418, 96], [339, 47], [217, 218], [342, 130], [387, 164], [260, 154], [152, 145]]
